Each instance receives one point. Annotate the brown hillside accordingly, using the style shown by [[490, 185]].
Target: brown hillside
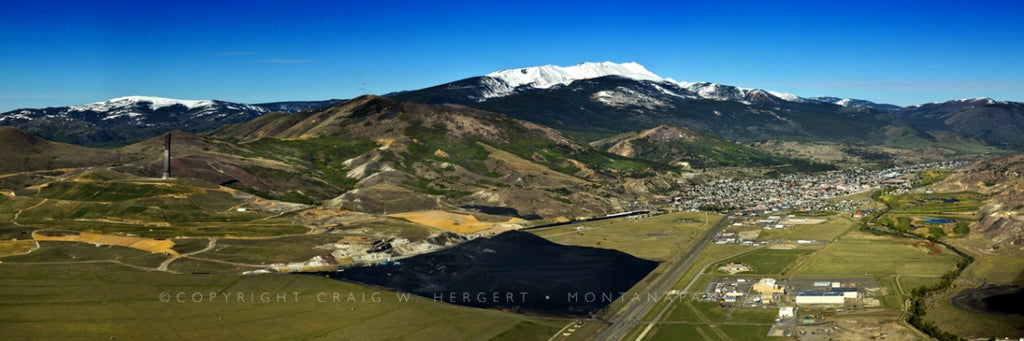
[[24, 152], [1002, 221]]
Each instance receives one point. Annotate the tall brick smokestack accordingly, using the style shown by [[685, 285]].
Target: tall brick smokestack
[[167, 156]]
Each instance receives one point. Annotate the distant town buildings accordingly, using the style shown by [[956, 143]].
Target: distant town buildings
[[796, 191]]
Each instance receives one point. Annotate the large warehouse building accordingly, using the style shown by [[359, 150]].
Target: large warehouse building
[[820, 297]]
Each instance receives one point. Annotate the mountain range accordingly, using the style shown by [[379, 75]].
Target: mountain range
[[589, 101], [370, 154], [133, 118], [595, 100]]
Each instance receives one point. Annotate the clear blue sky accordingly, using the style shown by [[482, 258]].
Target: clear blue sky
[[55, 53]]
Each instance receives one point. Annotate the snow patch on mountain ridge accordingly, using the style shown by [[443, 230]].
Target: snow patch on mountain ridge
[[547, 76], [154, 103]]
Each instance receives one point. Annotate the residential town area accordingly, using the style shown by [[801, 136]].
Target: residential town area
[[797, 191]]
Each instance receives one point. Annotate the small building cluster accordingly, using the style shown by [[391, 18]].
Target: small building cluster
[[734, 268]]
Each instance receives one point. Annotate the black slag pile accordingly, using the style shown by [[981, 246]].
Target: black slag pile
[[514, 270]]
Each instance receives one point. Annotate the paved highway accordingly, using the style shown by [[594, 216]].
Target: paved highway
[[636, 309]]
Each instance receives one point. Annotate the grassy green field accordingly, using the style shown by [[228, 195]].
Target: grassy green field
[[907, 211], [711, 332], [688, 320], [768, 261], [16, 247], [109, 301], [107, 202], [656, 238], [909, 283], [704, 312], [933, 203], [271, 250], [9, 206], [109, 191], [1000, 269], [164, 217], [857, 257], [753, 315], [830, 229], [83, 253], [531, 330]]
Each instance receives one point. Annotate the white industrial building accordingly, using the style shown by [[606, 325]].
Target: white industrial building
[[820, 297], [850, 293], [785, 312]]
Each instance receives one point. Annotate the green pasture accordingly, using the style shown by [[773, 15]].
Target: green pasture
[[531, 330], [109, 191], [768, 261], [1000, 269], [710, 332], [827, 230], [858, 257], [109, 301], [655, 238]]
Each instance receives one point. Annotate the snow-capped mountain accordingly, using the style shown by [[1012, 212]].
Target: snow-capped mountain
[[153, 103], [543, 77], [610, 97], [131, 118], [850, 102], [511, 81], [959, 104], [601, 98]]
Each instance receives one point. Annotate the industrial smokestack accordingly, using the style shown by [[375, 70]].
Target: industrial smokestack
[[167, 155]]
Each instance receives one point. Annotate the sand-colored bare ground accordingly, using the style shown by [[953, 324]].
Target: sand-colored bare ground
[[805, 221], [458, 223], [17, 247], [146, 244], [749, 234]]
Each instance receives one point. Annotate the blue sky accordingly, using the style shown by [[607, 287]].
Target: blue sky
[[55, 53]]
